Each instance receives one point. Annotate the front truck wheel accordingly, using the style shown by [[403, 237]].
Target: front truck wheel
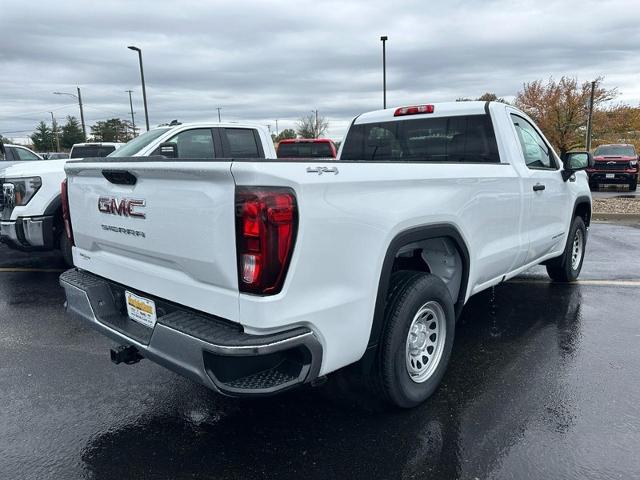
[[633, 185], [566, 268], [417, 339]]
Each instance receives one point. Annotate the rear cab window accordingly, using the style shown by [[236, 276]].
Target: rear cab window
[[458, 139], [86, 151], [305, 150]]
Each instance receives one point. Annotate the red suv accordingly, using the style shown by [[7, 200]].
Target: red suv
[[306, 148], [614, 164]]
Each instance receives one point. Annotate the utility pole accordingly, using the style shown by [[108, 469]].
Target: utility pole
[[79, 97], [277, 132], [144, 88], [54, 129], [316, 133], [219, 118], [587, 141], [84, 129], [133, 120], [384, 39]]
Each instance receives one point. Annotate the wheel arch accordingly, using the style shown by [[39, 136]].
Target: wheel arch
[[407, 237], [582, 208], [54, 206]]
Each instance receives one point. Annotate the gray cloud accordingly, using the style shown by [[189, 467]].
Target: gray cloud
[[262, 61]]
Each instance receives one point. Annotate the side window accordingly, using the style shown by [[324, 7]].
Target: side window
[[195, 143], [242, 143], [536, 153], [25, 155]]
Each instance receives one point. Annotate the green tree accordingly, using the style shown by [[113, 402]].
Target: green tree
[[112, 130], [285, 134], [312, 126], [71, 133], [42, 138]]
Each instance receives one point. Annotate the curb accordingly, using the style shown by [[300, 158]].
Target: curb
[[616, 217]]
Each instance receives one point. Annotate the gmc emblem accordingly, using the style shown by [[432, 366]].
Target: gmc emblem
[[122, 207]]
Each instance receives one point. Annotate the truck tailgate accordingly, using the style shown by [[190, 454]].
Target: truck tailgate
[[171, 234]]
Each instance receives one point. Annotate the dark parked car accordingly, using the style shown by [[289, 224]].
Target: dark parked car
[[614, 164]]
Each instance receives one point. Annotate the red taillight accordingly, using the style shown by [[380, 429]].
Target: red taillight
[[413, 110], [66, 218], [266, 226]]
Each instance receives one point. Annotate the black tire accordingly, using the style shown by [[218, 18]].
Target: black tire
[[633, 186], [411, 292], [563, 268], [593, 186], [65, 248]]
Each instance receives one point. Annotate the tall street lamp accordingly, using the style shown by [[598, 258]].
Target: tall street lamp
[[384, 39], [79, 98], [144, 89]]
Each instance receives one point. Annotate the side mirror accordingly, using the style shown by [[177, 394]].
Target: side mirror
[[168, 150], [575, 161]]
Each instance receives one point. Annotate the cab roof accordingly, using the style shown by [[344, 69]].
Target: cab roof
[[443, 109]]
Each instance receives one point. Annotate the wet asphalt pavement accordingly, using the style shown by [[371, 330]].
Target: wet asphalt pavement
[[544, 382]]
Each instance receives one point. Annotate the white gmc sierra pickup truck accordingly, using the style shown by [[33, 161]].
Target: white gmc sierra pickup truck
[[30, 208], [252, 277]]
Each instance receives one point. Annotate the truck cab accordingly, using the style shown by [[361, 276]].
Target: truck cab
[[17, 154]]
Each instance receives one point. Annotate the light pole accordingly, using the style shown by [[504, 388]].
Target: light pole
[[54, 129], [219, 118], [79, 98], [277, 132], [590, 118], [144, 88], [133, 120], [384, 39]]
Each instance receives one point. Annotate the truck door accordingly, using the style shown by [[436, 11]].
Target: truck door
[[548, 195]]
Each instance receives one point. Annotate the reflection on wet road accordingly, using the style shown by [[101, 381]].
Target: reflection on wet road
[[543, 383]]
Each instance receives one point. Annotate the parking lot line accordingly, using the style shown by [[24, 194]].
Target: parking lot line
[[601, 283], [31, 270]]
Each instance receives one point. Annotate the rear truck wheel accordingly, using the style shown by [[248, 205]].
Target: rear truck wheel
[[566, 268], [65, 248], [417, 339]]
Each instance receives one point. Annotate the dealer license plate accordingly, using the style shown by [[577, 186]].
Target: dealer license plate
[[140, 309], [611, 175]]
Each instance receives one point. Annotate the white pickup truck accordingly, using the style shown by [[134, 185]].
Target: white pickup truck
[[254, 277], [30, 206]]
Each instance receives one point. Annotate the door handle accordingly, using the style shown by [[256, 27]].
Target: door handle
[[538, 187]]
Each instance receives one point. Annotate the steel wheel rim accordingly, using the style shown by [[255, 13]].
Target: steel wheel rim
[[576, 249], [425, 341]]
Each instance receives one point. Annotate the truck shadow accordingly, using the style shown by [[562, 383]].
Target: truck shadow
[[512, 348]]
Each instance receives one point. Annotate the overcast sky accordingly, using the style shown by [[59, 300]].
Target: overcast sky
[[262, 61]]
